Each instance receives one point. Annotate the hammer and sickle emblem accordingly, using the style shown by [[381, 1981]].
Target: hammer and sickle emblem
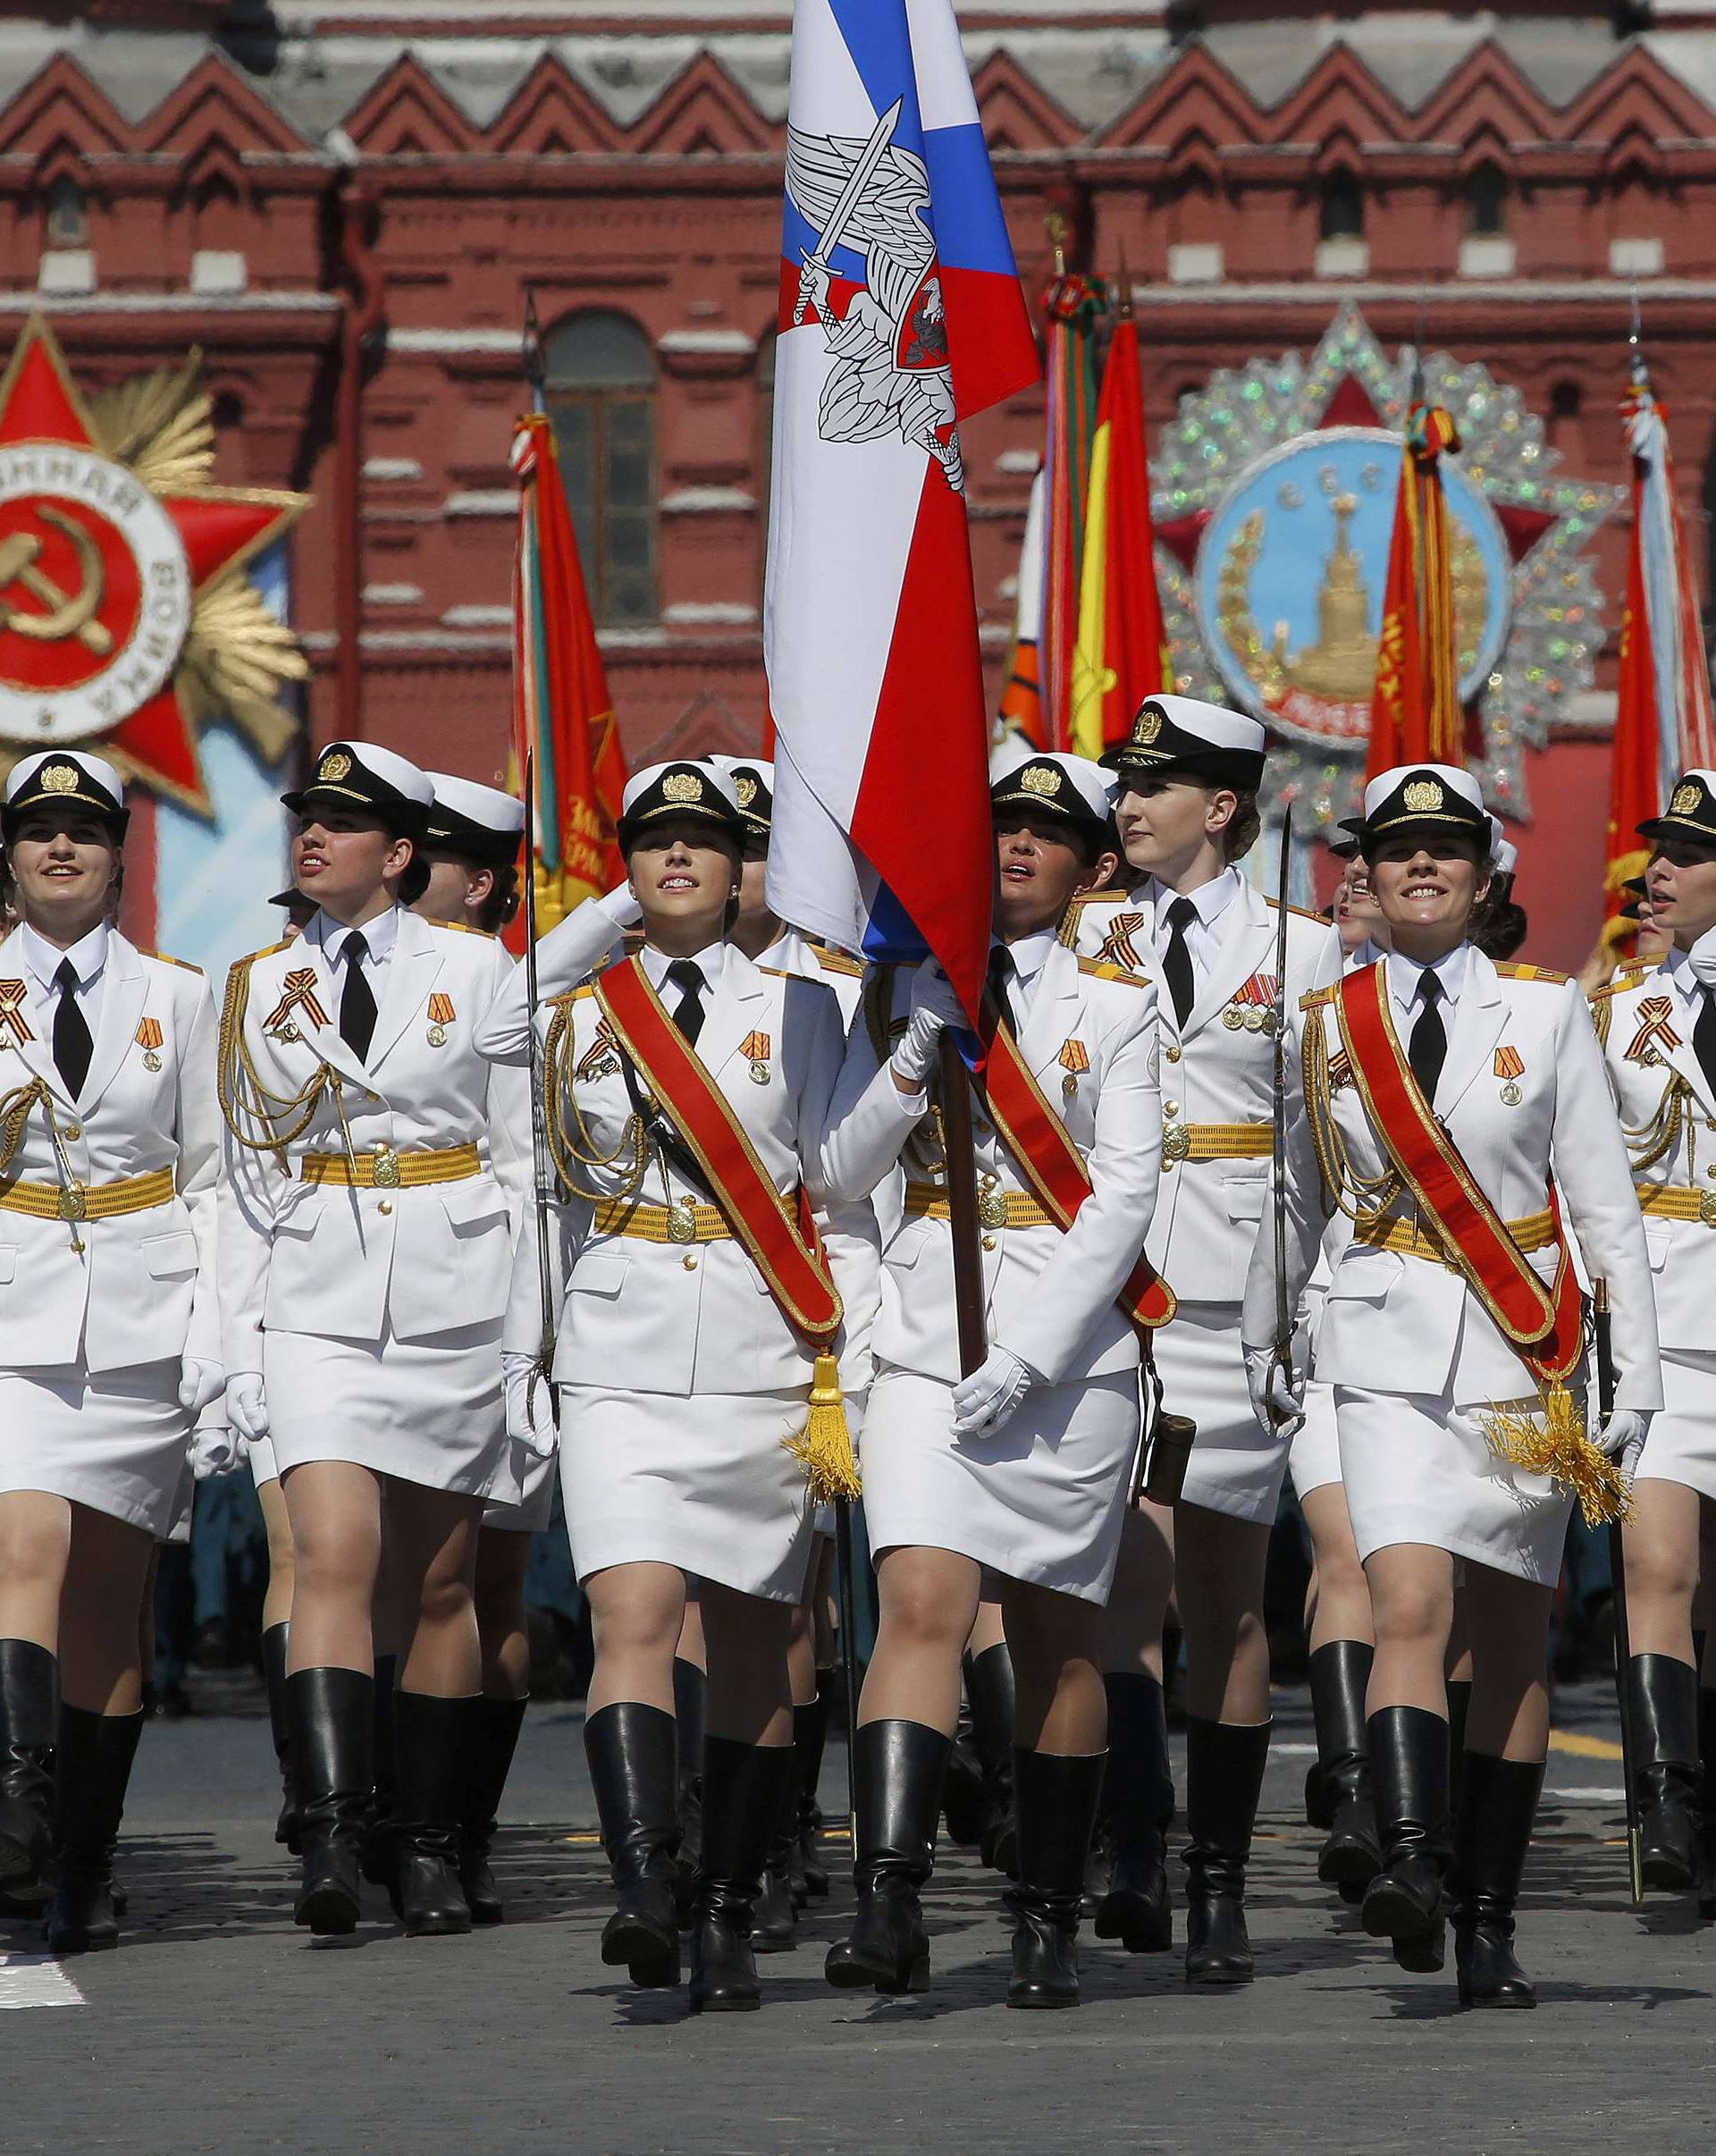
[[70, 613]]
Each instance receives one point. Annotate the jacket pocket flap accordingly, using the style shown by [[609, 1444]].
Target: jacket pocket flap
[[601, 1273], [8, 1262], [1366, 1276], [170, 1256], [908, 1246], [474, 1203], [1244, 1195]]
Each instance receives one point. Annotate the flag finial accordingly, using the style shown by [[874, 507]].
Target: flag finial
[[1122, 291]]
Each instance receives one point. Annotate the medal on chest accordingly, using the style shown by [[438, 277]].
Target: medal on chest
[[1510, 1067], [1654, 1036], [756, 1049], [441, 1016], [1074, 1060], [1253, 1007], [298, 995], [13, 1020], [148, 1039]]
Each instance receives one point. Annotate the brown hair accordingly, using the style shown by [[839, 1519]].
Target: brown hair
[[1242, 829]]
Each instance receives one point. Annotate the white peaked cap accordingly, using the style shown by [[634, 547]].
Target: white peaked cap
[[93, 767], [640, 782], [1211, 722], [486, 805], [1456, 782]]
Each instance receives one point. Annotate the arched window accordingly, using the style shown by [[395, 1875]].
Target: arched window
[[1341, 214], [1486, 201], [599, 389], [1565, 430], [68, 214]]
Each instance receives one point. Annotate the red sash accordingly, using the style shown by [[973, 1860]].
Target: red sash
[[1544, 1325], [1049, 1162], [793, 1267]]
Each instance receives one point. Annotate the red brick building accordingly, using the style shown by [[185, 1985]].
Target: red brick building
[[344, 203]]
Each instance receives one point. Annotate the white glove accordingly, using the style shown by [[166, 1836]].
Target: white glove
[[934, 1008], [1622, 1434], [200, 1384], [1277, 1396], [217, 1451], [621, 907], [530, 1408], [983, 1401], [247, 1408]]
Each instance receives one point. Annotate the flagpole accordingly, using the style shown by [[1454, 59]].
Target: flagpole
[[954, 1102]]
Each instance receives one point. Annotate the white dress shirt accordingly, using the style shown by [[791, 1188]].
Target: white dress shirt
[[43, 960], [334, 938], [1405, 977], [711, 963], [1203, 935], [1028, 955]]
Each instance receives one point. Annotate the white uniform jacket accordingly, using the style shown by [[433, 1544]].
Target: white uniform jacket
[[1668, 1119], [1217, 1073], [143, 1287], [347, 1262], [1090, 1040], [643, 1316], [1396, 1322]]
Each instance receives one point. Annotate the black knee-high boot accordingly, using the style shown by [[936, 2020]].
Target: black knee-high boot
[[1137, 1811], [29, 1700], [989, 1687], [1664, 1696], [690, 1689], [744, 1785], [491, 1738], [330, 1714], [1056, 1797], [1350, 1857], [1707, 1802], [810, 1874], [93, 1765], [898, 1775], [381, 1825], [633, 1753], [1492, 1833], [433, 1778], [274, 1678], [1409, 1769], [1459, 1705], [774, 1921], [1225, 1769]]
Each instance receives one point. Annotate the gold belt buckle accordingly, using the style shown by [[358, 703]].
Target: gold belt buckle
[[1707, 1207], [387, 1169], [682, 1223], [74, 1201], [1176, 1141], [992, 1208]]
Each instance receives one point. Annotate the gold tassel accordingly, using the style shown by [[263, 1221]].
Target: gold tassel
[[823, 1447], [1559, 1447]]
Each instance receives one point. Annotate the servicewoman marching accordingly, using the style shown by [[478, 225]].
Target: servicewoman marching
[[471, 853], [1658, 1029], [698, 1323], [110, 1328], [1337, 1787], [1187, 812], [1459, 1114], [373, 1162], [1022, 1468]]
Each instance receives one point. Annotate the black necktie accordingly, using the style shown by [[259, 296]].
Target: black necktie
[[1704, 1036], [1176, 960], [687, 976], [356, 1000], [1002, 972], [1429, 1047], [72, 1045]]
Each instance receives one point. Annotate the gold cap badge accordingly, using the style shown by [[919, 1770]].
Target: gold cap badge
[[1041, 779], [1685, 800], [745, 787], [682, 786], [335, 766], [1424, 796], [59, 779], [1147, 726]]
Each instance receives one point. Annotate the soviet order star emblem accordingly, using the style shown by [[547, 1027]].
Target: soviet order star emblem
[[126, 613]]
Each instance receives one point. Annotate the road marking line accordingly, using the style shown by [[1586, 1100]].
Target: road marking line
[[36, 1979], [1583, 1747]]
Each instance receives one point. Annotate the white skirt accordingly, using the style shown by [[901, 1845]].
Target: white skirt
[[1418, 1469], [1682, 1444], [427, 1411], [1313, 1457], [705, 1484], [522, 1502], [263, 1467], [1236, 1465], [1042, 1501], [115, 1441]]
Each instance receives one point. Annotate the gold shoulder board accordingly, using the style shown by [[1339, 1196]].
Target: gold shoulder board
[[1103, 971], [1303, 911], [160, 958], [1533, 972], [837, 962], [462, 928], [285, 945], [1314, 998]]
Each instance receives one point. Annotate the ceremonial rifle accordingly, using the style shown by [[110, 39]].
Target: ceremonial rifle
[[1278, 1142], [1623, 1631], [541, 1166]]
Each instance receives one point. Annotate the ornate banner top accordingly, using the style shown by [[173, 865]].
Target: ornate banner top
[[126, 615]]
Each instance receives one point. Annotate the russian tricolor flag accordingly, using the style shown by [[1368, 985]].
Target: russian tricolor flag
[[901, 315]]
